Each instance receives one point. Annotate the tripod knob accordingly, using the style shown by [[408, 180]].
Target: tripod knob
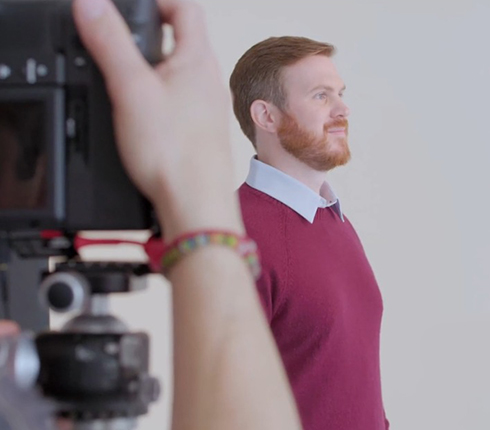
[[65, 291]]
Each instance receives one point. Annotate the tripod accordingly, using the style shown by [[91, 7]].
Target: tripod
[[94, 370]]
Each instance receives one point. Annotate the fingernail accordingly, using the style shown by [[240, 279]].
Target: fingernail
[[91, 9]]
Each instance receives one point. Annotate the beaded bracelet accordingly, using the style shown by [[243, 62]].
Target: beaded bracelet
[[163, 257], [185, 244]]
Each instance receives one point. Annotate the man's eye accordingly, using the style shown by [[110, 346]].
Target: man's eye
[[321, 96]]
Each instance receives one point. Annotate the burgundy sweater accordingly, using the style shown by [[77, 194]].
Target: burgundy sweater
[[324, 307]]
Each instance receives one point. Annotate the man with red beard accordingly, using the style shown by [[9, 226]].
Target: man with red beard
[[317, 288]]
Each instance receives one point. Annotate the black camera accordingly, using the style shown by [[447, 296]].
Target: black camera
[[59, 165], [60, 170]]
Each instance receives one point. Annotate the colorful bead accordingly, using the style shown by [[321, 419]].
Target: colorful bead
[[184, 245]]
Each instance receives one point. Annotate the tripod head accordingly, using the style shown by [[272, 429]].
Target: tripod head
[[94, 370]]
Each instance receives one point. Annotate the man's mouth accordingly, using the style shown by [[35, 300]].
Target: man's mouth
[[337, 130]]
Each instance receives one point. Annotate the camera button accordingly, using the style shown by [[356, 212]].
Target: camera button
[[71, 128], [80, 62], [5, 71], [42, 70], [31, 71]]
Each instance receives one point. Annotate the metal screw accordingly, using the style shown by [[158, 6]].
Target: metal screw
[[42, 70], [112, 348], [80, 62]]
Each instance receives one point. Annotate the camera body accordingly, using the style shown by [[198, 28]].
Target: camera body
[[60, 169], [59, 165]]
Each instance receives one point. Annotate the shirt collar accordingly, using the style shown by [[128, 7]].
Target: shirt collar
[[292, 192]]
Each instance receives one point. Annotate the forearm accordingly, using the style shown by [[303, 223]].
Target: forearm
[[228, 374], [171, 124]]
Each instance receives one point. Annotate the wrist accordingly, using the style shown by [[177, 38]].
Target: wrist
[[177, 218], [188, 243], [196, 199]]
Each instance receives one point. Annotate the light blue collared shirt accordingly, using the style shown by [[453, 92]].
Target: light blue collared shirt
[[292, 192]]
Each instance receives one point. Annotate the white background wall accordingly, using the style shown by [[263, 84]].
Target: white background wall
[[417, 189]]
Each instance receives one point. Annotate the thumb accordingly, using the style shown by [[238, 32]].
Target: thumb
[[106, 36]]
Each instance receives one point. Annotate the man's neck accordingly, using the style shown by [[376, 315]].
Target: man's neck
[[291, 166]]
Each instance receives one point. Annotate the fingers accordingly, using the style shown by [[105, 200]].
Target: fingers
[[108, 39], [8, 328], [64, 424], [189, 26], [109, 42]]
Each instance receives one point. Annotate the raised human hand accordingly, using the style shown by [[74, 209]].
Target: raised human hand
[[171, 121]]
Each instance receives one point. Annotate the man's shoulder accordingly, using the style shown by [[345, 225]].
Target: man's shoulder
[[252, 197], [254, 202], [262, 214], [265, 220]]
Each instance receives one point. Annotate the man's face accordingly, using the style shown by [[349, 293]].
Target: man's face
[[314, 126]]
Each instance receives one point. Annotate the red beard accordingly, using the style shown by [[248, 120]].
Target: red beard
[[321, 154]]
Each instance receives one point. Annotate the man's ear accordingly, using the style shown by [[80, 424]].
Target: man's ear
[[265, 115]]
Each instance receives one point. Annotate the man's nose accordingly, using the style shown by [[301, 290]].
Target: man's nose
[[341, 110]]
